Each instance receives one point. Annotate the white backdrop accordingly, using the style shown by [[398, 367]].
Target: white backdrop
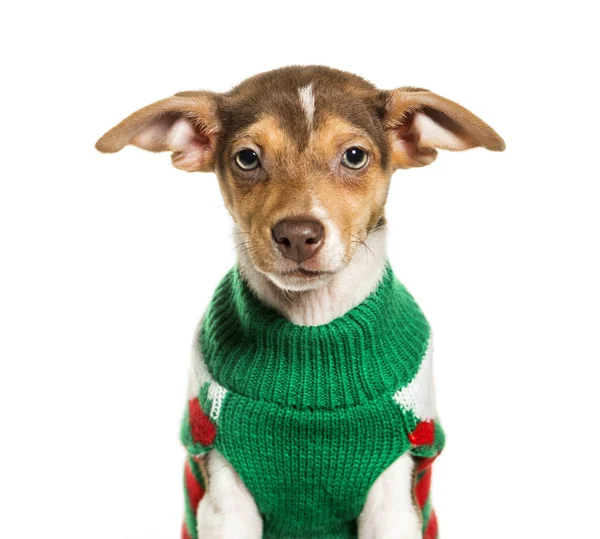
[[107, 262]]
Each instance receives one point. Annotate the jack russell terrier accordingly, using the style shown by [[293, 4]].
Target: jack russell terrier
[[311, 410]]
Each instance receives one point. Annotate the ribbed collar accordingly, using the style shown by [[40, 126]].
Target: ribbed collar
[[373, 350]]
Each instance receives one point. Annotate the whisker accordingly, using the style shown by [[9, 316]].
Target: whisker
[[367, 248], [239, 246]]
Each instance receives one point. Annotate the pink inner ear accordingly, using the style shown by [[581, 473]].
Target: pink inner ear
[[153, 136], [180, 137], [188, 146], [433, 135], [192, 158]]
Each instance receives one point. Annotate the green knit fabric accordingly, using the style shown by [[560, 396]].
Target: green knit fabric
[[308, 420]]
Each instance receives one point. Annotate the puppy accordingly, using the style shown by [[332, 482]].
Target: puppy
[[311, 410]]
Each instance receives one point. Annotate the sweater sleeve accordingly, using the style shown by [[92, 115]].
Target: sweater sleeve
[[417, 401], [205, 398]]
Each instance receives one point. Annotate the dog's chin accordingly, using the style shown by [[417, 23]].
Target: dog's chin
[[300, 280]]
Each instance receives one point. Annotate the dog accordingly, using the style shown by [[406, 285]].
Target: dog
[[304, 156]]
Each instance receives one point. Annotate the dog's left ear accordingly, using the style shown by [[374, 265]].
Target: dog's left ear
[[420, 122], [185, 124]]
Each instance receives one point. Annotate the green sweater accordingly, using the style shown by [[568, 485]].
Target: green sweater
[[309, 417]]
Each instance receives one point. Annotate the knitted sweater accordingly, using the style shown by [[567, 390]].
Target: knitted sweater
[[309, 417]]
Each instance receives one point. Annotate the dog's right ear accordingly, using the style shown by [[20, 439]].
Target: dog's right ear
[[185, 124]]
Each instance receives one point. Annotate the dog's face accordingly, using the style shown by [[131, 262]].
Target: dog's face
[[304, 157]]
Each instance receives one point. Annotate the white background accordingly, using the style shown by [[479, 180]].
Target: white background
[[107, 262]]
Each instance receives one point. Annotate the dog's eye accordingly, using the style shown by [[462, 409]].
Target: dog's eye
[[355, 158], [247, 159]]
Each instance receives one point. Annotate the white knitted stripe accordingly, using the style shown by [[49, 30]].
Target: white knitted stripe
[[419, 395], [199, 376], [216, 393]]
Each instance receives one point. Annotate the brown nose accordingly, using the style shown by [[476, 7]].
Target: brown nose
[[298, 239]]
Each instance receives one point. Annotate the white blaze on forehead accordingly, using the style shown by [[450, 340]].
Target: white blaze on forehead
[[307, 100]]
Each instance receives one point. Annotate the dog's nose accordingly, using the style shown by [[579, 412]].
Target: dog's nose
[[298, 239]]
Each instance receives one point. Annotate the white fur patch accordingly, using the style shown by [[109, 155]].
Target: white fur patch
[[389, 510], [227, 510], [419, 395], [332, 252], [307, 100]]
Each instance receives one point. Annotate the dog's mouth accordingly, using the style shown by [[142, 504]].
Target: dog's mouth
[[300, 278], [303, 272]]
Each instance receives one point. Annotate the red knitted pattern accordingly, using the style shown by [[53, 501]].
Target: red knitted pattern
[[422, 488], [184, 532], [424, 463], [194, 489], [202, 428], [424, 434], [432, 529], [422, 491]]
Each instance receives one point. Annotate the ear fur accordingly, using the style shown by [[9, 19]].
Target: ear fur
[[185, 124], [420, 122]]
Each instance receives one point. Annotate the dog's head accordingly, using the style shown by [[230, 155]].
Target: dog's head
[[304, 157]]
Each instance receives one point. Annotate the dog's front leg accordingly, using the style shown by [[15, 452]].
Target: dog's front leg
[[390, 511], [227, 510]]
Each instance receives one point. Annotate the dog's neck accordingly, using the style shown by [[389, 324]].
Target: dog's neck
[[341, 293]]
